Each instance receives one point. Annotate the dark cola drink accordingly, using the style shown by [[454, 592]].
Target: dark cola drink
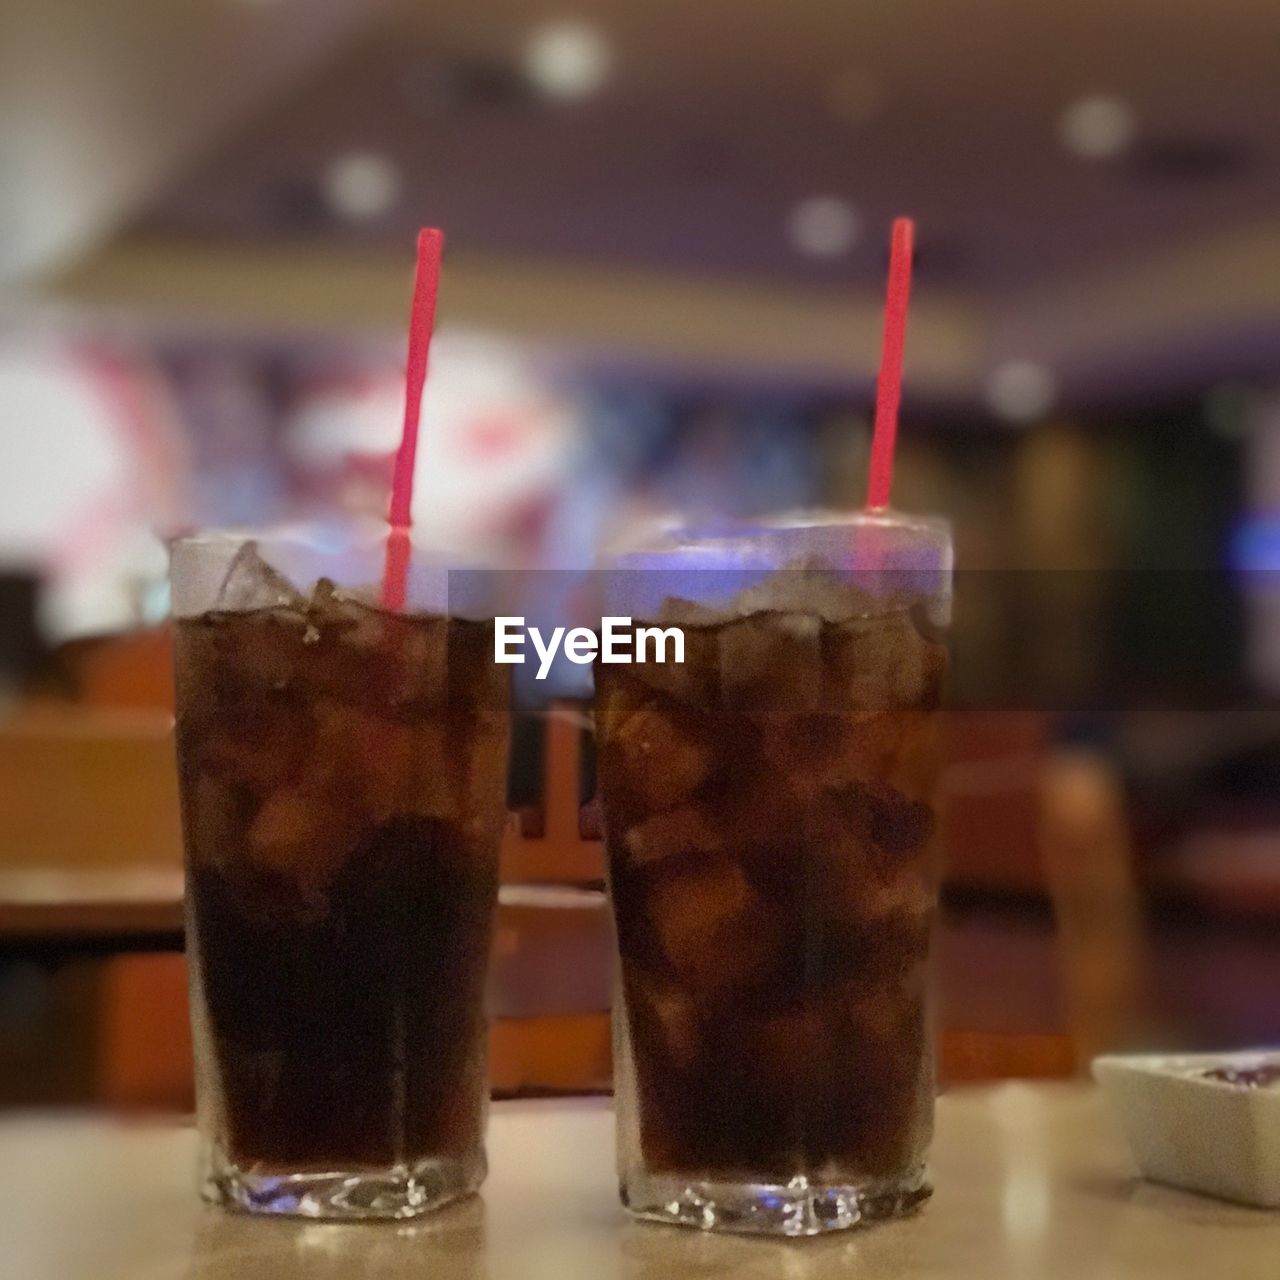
[[343, 778], [770, 820]]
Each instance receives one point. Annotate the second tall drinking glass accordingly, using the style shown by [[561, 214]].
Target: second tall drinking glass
[[769, 816]]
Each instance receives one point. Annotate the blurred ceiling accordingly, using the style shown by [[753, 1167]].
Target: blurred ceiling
[[104, 104], [711, 122], [718, 116]]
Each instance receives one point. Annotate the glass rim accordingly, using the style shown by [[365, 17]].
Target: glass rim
[[321, 538], [321, 535], [674, 536]]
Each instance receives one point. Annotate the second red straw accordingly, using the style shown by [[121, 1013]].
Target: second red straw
[[422, 317], [889, 386]]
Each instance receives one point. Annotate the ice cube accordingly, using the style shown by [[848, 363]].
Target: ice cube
[[251, 583], [914, 766], [816, 751], [261, 742], [196, 658], [760, 806], [771, 663], [421, 646], [364, 655], [902, 896], [693, 682], [803, 589], [388, 764], [257, 653], [786, 1046], [661, 756], [873, 1110], [898, 824], [361, 626], [679, 612], [889, 1010], [387, 767], [671, 1013], [486, 756], [619, 695], [884, 663], [210, 821], [907, 892], [688, 829], [470, 675], [714, 929], [877, 1019], [876, 817], [303, 833]]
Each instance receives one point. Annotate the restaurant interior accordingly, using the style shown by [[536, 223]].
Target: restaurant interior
[[666, 241]]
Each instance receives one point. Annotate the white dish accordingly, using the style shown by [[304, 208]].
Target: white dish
[[1184, 1128]]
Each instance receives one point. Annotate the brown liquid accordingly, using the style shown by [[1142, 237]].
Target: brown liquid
[[768, 809], [343, 784]]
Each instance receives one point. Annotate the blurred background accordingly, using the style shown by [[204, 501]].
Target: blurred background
[[667, 229]]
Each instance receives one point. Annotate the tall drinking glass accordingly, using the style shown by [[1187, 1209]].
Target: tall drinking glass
[[769, 815], [342, 775]]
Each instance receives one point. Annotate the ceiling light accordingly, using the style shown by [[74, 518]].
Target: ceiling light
[[567, 60], [361, 185], [1097, 127], [1021, 390], [823, 226]]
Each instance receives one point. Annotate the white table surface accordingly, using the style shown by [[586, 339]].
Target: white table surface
[[1032, 1181]]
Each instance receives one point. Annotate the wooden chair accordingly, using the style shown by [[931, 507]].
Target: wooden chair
[[84, 789], [1040, 822], [553, 961], [1088, 858]]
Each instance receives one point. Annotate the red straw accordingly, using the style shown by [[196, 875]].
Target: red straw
[[426, 285], [889, 387]]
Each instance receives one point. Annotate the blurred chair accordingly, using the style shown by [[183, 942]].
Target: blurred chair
[[560, 846], [971, 1057], [991, 810], [133, 670], [550, 992], [1027, 820], [144, 1057], [553, 955], [22, 647], [84, 789], [1088, 857]]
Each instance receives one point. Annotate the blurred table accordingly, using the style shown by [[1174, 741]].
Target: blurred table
[[138, 905], [1032, 1182]]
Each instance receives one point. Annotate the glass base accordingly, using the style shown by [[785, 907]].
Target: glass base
[[800, 1207], [397, 1192]]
